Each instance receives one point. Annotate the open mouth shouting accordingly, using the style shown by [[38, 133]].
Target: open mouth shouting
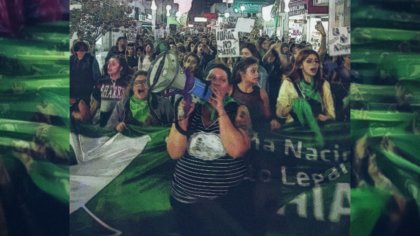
[[140, 88], [314, 70], [140, 93], [310, 65]]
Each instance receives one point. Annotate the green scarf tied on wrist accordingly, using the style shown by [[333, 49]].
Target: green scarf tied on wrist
[[139, 109], [304, 114]]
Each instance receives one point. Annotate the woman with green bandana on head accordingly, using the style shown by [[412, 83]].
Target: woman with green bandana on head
[[134, 109], [304, 95]]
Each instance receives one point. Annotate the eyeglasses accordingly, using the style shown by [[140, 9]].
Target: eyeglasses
[[140, 82], [310, 61]]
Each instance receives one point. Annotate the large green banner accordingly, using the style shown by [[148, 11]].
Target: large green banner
[[295, 184], [304, 188], [34, 134]]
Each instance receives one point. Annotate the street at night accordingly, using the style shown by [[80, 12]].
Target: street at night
[[221, 117]]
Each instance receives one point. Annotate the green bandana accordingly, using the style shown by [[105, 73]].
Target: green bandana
[[139, 109], [304, 114], [308, 90]]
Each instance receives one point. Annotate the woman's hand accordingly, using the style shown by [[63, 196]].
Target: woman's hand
[[120, 127], [176, 142], [320, 28], [322, 117], [184, 111], [216, 100], [276, 47], [275, 124], [94, 105]]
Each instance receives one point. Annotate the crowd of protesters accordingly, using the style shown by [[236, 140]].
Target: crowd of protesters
[[270, 77], [272, 84]]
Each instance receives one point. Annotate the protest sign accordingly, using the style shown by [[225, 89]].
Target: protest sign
[[227, 43], [339, 28], [244, 25]]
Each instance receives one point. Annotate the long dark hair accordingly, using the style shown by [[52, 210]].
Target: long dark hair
[[143, 54], [196, 46], [118, 40], [123, 63], [253, 49], [296, 73], [241, 66], [80, 45]]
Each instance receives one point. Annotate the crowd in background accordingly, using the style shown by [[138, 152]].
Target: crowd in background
[[267, 91], [274, 83]]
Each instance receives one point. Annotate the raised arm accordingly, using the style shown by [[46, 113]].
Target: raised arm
[[236, 141], [323, 47]]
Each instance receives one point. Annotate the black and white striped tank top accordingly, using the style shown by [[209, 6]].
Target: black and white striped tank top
[[200, 176]]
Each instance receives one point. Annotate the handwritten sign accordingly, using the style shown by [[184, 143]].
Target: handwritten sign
[[227, 43]]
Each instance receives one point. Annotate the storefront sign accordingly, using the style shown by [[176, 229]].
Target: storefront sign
[[249, 6], [317, 7], [320, 2], [299, 9]]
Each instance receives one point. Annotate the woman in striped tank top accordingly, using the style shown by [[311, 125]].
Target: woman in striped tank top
[[210, 195]]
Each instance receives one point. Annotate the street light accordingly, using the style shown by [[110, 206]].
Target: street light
[[242, 9], [286, 6], [168, 8], [154, 8], [178, 16]]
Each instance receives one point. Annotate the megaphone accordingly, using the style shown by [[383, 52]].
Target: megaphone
[[165, 73]]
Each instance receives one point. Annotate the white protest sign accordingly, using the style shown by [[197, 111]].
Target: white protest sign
[[244, 25], [338, 28], [339, 41], [227, 43]]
